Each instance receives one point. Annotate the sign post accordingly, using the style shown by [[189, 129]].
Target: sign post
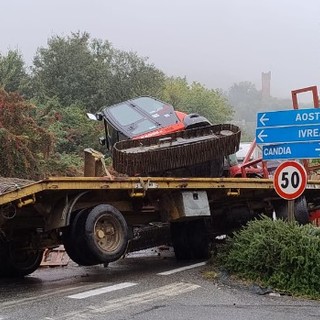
[[290, 207]]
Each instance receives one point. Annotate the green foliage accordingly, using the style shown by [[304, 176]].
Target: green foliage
[[62, 165], [247, 101], [72, 132], [197, 98], [283, 255], [133, 76], [78, 69], [23, 143], [13, 76], [245, 98], [73, 69], [72, 129]]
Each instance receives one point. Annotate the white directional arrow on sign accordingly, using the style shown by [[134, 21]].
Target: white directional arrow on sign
[[263, 119], [261, 136]]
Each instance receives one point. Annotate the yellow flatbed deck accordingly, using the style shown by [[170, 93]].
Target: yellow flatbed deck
[[137, 184]]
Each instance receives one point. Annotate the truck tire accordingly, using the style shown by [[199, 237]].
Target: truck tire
[[190, 239], [180, 241], [200, 239], [106, 233], [22, 262], [301, 212], [73, 240], [3, 260]]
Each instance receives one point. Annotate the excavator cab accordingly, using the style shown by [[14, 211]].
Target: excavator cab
[[144, 117], [138, 118]]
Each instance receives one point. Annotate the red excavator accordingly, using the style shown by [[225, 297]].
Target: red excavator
[[148, 137]]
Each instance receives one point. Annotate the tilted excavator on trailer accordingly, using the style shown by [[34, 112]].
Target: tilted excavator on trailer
[[147, 137], [101, 218]]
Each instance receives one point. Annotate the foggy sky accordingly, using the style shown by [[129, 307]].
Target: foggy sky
[[215, 42]]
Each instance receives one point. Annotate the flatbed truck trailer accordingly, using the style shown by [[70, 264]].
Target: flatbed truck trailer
[[100, 219]]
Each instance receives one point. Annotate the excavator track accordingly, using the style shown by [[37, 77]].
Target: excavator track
[[177, 150]]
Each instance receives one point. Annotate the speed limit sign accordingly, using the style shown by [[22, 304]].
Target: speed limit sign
[[290, 180]]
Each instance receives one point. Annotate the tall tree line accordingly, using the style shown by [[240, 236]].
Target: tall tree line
[[43, 124]]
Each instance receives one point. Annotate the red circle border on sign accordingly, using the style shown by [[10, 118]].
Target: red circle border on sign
[[303, 173]]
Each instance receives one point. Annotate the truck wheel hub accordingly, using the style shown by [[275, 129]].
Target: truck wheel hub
[[100, 234]]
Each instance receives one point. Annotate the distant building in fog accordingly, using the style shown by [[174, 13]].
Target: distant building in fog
[[266, 79]]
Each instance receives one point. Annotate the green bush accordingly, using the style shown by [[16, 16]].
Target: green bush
[[285, 256]]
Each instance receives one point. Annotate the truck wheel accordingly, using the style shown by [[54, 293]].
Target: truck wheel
[[180, 241], [106, 233], [22, 262], [200, 240], [190, 239], [3, 260], [72, 238], [301, 212]]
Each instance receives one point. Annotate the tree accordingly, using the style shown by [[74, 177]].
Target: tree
[[197, 98], [72, 132], [24, 144], [13, 75], [247, 102], [72, 129], [91, 72], [245, 99], [73, 69], [133, 76]]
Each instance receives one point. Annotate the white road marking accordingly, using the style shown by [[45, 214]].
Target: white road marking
[[161, 293], [196, 265], [52, 292], [132, 300], [95, 292]]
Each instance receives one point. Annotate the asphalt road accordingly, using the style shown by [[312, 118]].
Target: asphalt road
[[143, 286]]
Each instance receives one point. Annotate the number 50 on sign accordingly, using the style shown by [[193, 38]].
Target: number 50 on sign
[[290, 180]]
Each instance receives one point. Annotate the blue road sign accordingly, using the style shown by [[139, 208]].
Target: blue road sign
[[288, 118], [288, 134], [300, 150]]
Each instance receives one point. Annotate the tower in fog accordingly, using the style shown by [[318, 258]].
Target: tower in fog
[[266, 79]]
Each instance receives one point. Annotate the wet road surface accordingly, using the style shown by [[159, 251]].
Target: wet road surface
[[141, 286]]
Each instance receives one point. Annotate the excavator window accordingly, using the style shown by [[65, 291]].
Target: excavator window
[[149, 105], [125, 115], [140, 115], [144, 126], [113, 136]]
